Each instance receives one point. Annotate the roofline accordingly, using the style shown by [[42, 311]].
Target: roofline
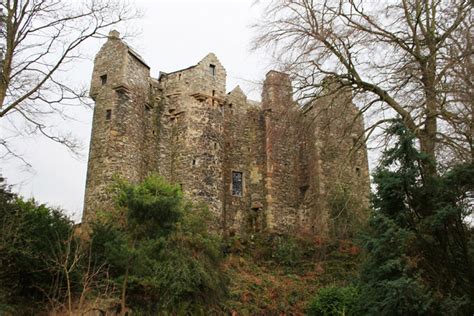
[[187, 68], [137, 56], [277, 71]]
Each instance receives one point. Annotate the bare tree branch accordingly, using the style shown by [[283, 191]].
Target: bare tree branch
[[41, 38]]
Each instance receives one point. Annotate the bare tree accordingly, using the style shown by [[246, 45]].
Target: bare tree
[[81, 283], [404, 58], [40, 39]]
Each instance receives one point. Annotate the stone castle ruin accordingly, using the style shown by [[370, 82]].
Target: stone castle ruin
[[271, 165]]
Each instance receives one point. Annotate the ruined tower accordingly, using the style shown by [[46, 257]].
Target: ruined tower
[[121, 122], [259, 166], [191, 126], [282, 129]]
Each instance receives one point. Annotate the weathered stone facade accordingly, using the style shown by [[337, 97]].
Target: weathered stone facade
[[259, 166]]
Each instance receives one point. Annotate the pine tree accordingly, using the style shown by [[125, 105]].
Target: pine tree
[[419, 240]]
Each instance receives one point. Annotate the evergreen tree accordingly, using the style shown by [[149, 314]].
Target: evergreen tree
[[159, 250], [419, 240], [31, 237]]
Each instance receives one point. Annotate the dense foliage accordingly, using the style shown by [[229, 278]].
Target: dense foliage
[[419, 241], [33, 239], [160, 251], [335, 301]]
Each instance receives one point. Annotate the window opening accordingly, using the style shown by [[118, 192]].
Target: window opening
[[103, 79], [237, 183], [194, 162], [108, 115], [358, 171], [212, 70]]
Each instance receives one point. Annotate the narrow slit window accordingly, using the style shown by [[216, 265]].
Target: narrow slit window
[[358, 171], [237, 183], [212, 70], [194, 162], [103, 79], [108, 115]]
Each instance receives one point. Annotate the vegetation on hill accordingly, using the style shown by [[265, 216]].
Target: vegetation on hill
[[160, 253], [33, 240], [418, 243], [154, 253]]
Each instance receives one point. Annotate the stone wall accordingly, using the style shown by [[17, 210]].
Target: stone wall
[[340, 152], [191, 131], [244, 153], [282, 139], [120, 124]]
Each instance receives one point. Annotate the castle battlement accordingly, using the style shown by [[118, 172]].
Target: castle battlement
[[258, 165]]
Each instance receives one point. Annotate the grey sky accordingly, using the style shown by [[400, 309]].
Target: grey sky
[[173, 34]]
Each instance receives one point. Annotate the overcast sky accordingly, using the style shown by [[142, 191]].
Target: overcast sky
[[173, 34]]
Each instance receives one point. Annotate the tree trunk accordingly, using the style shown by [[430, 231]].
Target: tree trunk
[[124, 292]]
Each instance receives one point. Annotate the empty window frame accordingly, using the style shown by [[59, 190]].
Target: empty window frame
[[237, 183], [108, 114], [212, 69], [103, 79]]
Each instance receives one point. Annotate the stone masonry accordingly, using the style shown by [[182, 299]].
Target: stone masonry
[[259, 166]]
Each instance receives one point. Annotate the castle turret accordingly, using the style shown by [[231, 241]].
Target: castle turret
[[121, 123]]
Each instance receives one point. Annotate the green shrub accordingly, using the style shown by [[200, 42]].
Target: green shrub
[[161, 252], [287, 251], [335, 301], [282, 250], [33, 241]]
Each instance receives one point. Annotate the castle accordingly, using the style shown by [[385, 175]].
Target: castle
[[271, 165]]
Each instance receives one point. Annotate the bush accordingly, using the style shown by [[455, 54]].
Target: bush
[[335, 301], [281, 250], [287, 251], [160, 252], [32, 238]]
